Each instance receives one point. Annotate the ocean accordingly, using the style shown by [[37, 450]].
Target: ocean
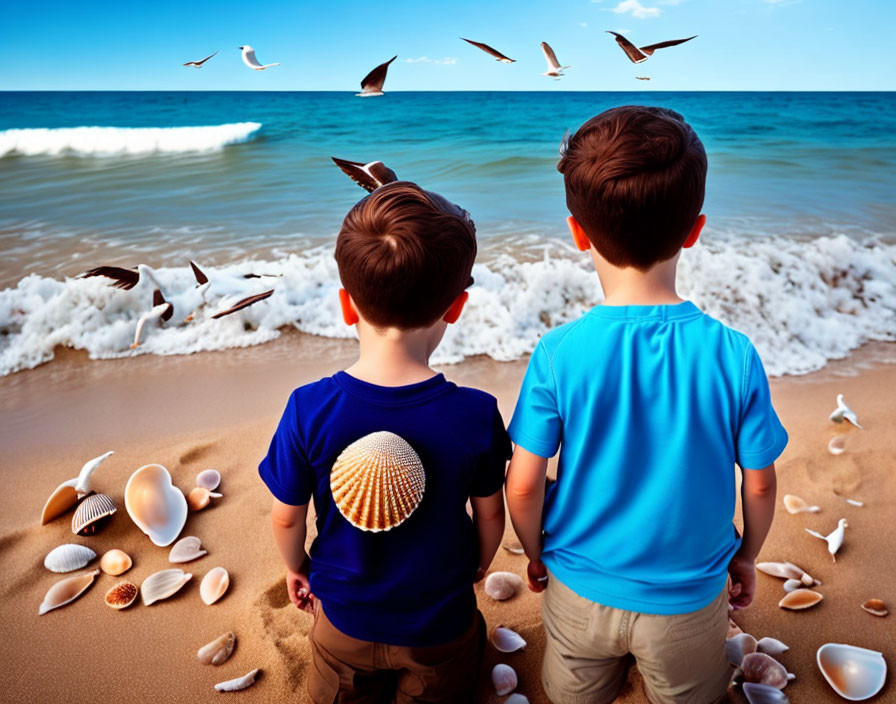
[[799, 251]]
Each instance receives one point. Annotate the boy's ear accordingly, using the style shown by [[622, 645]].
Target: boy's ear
[[694, 235], [349, 314], [583, 244], [454, 311]]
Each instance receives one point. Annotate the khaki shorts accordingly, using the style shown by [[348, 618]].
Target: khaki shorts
[[346, 670], [590, 648]]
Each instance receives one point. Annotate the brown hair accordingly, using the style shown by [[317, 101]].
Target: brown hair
[[404, 255], [635, 179]]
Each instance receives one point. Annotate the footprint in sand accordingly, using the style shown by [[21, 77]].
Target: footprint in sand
[[842, 474], [286, 631], [195, 453]]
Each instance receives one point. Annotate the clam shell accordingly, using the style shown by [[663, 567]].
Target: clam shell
[[66, 591], [502, 585], [92, 514], [771, 646], [739, 646], [61, 500], [115, 562], [122, 595], [246, 680], [209, 479], [837, 445], [876, 607], [794, 504], [377, 482], [213, 585], [792, 584], [764, 694], [186, 550], [854, 673], [157, 506], [200, 497], [800, 599], [504, 679], [163, 584], [217, 652], [68, 557], [763, 669], [507, 641]]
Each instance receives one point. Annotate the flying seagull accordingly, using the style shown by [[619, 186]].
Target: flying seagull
[[555, 70], [372, 83], [198, 64], [244, 303], [250, 60], [124, 278], [643, 78], [493, 52], [637, 55], [368, 176]]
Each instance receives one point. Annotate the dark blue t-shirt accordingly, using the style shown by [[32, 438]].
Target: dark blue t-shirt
[[411, 585]]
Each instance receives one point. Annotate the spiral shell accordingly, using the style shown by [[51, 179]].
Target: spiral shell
[[377, 482], [92, 514]]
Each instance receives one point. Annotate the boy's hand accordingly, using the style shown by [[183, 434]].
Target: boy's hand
[[299, 589], [742, 585], [538, 575]]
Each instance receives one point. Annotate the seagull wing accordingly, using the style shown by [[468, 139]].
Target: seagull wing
[[373, 81], [159, 300], [816, 534], [124, 278], [201, 278], [550, 57], [250, 60], [631, 51], [650, 48], [199, 63], [244, 303], [356, 172], [382, 173], [489, 50]]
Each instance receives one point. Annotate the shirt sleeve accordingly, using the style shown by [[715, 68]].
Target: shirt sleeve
[[285, 470], [760, 436], [491, 464], [536, 425]]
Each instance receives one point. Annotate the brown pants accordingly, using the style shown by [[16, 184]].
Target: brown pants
[[345, 670]]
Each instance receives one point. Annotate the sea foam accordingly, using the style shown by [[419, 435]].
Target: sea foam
[[802, 302], [115, 141]]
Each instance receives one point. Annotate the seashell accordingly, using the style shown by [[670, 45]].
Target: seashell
[[844, 412], [67, 494], [834, 539], [377, 482], [507, 641], [66, 591], [209, 479], [794, 504], [217, 652], [163, 584], [516, 698], [200, 497], [764, 669], [786, 570], [771, 646], [115, 562], [504, 679], [122, 595], [733, 629], [854, 673], [186, 550], [876, 607], [837, 445], [92, 514], [737, 647], [68, 557], [213, 585], [246, 680], [514, 547], [764, 694], [808, 581], [157, 506], [792, 584], [502, 585], [855, 502], [800, 599]]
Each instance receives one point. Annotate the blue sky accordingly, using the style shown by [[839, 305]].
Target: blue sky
[[321, 45]]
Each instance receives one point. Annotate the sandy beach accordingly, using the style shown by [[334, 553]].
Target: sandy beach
[[219, 410]]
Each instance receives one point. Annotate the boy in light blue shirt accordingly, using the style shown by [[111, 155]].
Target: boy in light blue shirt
[[651, 403]]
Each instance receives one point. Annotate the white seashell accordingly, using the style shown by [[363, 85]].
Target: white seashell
[[876, 607], [502, 585], [377, 482], [246, 680], [794, 504], [834, 539], [793, 584], [516, 698], [844, 413], [66, 591], [855, 502], [764, 694], [68, 557], [771, 646], [209, 479], [200, 497], [67, 494], [213, 585], [763, 669], [507, 641], [514, 547], [786, 570], [800, 599], [854, 673], [163, 584], [504, 679], [122, 595], [837, 445], [157, 506], [115, 562], [737, 647], [92, 514], [186, 550], [217, 652]]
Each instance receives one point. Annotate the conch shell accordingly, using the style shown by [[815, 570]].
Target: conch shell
[[213, 585], [246, 680], [122, 595], [504, 679], [764, 669], [92, 514], [186, 550], [66, 591], [115, 562], [157, 506], [68, 557], [800, 599], [377, 482], [502, 585], [217, 652], [163, 584]]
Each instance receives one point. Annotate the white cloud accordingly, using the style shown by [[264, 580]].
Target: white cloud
[[636, 9], [447, 61]]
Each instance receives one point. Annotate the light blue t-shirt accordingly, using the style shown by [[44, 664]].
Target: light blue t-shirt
[[651, 407]]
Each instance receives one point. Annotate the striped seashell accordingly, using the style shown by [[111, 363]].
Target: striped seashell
[[163, 584], [377, 482], [186, 550], [68, 557], [122, 595], [92, 514]]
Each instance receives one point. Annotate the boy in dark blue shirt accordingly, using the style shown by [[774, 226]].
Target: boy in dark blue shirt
[[390, 452]]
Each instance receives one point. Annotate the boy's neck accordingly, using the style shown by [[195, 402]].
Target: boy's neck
[[393, 357], [630, 287]]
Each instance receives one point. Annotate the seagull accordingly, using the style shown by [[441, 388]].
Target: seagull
[[221, 284], [198, 64], [125, 279], [555, 70], [493, 52], [637, 55], [372, 83], [244, 303], [250, 60], [834, 539], [643, 78], [844, 412], [161, 310], [368, 176]]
